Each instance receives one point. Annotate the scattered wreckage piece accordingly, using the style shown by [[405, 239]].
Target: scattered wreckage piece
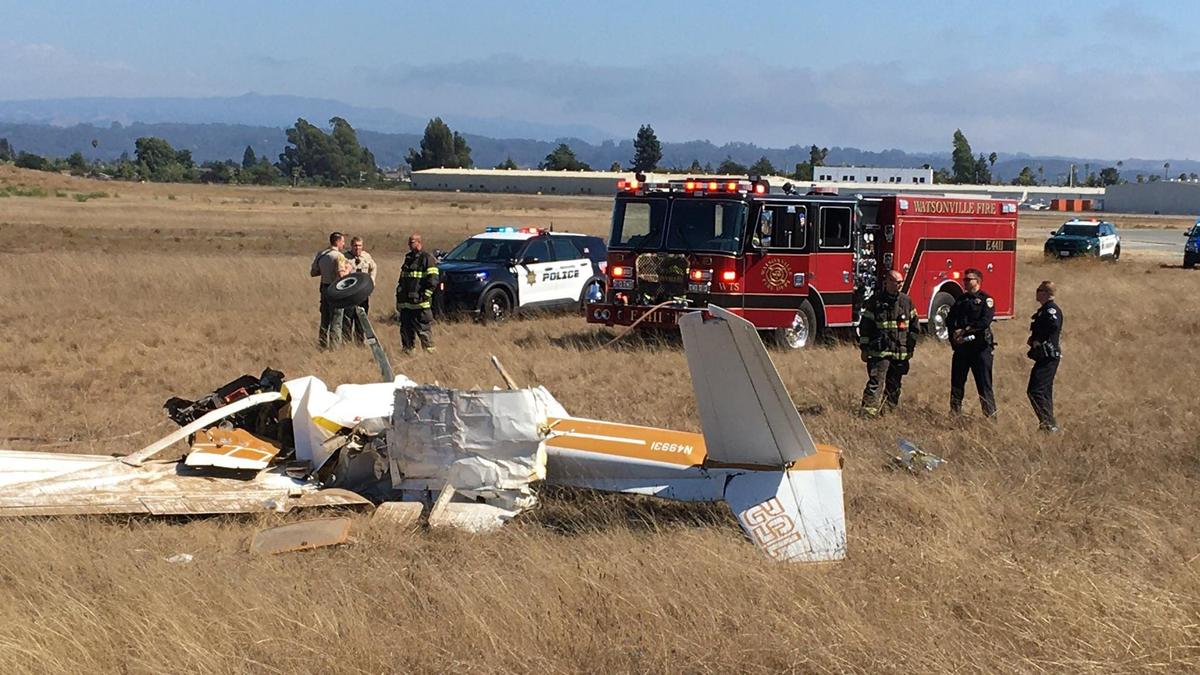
[[56, 484], [913, 459], [202, 422], [399, 515], [301, 536], [233, 449]]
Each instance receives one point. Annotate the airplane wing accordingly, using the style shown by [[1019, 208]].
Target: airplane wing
[[745, 411]]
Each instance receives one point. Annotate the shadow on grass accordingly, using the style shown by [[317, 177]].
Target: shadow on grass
[[575, 511]]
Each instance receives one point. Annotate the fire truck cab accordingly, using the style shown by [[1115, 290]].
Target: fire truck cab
[[796, 264]]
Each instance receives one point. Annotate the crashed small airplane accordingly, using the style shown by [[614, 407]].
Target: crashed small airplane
[[472, 457]]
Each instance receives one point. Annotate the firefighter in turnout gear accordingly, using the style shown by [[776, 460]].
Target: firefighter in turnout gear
[[414, 296], [970, 326], [1045, 329], [887, 335]]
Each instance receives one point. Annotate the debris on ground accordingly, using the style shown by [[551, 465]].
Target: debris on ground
[[178, 558], [301, 536], [913, 459]]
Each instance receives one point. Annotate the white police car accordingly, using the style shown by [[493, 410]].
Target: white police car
[[1095, 238], [509, 269]]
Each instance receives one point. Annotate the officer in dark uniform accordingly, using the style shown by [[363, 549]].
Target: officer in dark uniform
[[970, 325], [1045, 330], [887, 335], [414, 296]]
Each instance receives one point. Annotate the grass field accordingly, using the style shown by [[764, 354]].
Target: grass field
[[1078, 552]]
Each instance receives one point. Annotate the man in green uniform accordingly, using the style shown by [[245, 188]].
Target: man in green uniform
[[887, 335], [414, 296]]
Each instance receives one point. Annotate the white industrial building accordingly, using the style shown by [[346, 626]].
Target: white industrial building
[[604, 183], [870, 174], [1159, 197]]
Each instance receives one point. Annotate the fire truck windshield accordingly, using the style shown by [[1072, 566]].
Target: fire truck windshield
[[706, 225], [639, 224]]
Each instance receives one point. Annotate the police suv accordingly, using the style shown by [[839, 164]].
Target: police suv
[[1078, 238], [1191, 249], [510, 269]]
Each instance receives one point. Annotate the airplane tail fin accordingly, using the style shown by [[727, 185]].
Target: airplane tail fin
[[789, 498], [745, 411]]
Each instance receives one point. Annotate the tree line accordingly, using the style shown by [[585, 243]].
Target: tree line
[[335, 157]]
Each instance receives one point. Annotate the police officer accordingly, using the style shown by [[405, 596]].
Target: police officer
[[414, 296], [970, 325], [887, 335], [360, 261], [1045, 328], [330, 265]]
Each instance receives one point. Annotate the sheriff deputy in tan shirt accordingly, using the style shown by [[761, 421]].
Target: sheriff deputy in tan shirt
[[330, 264], [360, 261]]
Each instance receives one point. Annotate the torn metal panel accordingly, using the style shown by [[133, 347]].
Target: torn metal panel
[[233, 449], [403, 515], [472, 517], [485, 444], [301, 536], [205, 421], [92, 485], [318, 414]]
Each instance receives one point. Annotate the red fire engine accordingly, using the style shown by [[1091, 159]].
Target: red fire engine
[[796, 264]]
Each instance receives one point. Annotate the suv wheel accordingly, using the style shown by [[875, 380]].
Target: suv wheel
[[496, 307]]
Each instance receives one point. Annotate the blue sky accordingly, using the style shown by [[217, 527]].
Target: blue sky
[[1098, 79]]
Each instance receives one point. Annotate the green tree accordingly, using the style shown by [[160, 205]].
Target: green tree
[[616, 166], [695, 168], [6, 151], [28, 160], [647, 151], [943, 176], [731, 168], [1025, 177], [804, 171], [983, 175], [563, 158], [333, 159], [263, 173], [440, 147], [507, 164], [217, 172], [762, 167], [816, 156], [158, 158], [964, 160], [77, 164], [249, 159]]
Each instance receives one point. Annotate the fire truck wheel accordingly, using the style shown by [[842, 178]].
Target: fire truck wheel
[[937, 316], [803, 331]]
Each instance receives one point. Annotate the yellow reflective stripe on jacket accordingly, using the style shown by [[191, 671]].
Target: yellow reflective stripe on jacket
[[413, 275], [895, 356], [420, 305], [430, 270]]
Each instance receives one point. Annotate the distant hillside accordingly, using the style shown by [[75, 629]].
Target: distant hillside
[[228, 141], [260, 110]]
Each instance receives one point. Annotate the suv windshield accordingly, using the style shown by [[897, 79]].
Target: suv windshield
[[638, 224], [482, 249], [706, 225], [1080, 230]]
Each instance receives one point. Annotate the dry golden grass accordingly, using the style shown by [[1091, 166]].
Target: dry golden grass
[[1024, 553]]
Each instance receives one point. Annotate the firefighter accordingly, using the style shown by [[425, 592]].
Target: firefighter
[[414, 296], [970, 326], [887, 335], [1045, 329], [330, 265]]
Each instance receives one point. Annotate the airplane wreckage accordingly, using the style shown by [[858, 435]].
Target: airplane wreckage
[[470, 459]]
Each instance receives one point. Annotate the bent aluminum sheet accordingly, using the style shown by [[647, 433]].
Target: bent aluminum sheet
[[50, 484]]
